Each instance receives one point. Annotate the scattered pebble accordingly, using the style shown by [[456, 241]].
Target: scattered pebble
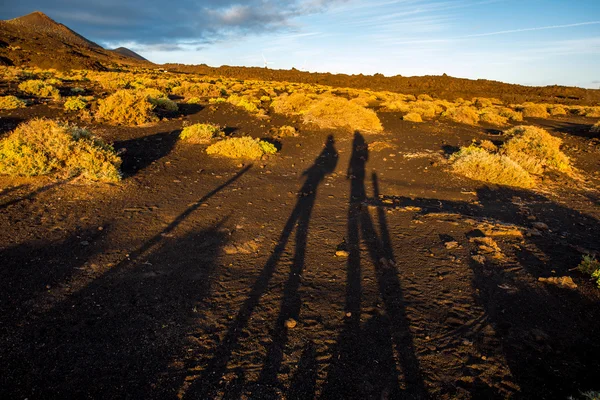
[[341, 253], [290, 323]]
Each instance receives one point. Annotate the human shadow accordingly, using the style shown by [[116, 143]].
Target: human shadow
[[116, 337], [37, 267], [206, 385], [364, 366], [143, 151], [545, 334]]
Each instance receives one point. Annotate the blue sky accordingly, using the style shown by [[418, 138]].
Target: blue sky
[[531, 42]]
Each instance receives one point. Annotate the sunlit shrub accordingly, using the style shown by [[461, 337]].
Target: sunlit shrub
[[531, 110], [243, 102], [463, 114], [11, 102], [490, 116], [75, 104], [39, 88], [126, 107], [335, 112], [295, 103], [535, 149], [244, 147], [200, 133], [479, 164], [41, 146]]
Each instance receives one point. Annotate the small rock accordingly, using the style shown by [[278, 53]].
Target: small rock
[[563, 281], [540, 226], [341, 253], [451, 245], [85, 243], [290, 323]]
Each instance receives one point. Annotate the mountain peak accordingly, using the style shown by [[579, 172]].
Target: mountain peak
[[41, 23]]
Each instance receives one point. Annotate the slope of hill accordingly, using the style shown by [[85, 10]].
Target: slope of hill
[[31, 39], [129, 53]]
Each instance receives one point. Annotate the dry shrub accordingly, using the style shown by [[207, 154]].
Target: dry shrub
[[484, 102], [491, 116], [189, 89], [535, 150], [592, 112], [75, 104], [243, 147], [39, 88], [335, 112], [488, 146], [287, 131], [595, 128], [476, 163], [424, 97], [194, 100], [243, 102], [126, 107], [557, 110], [463, 115], [531, 110], [200, 133], [295, 103], [412, 117], [511, 114], [43, 146], [11, 102]]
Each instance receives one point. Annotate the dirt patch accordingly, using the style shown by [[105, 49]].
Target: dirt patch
[[200, 277]]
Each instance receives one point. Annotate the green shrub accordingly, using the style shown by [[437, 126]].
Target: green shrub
[[127, 107], [243, 102], [75, 104], [200, 133], [164, 104], [244, 147], [590, 266], [42, 146], [11, 102], [194, 100], [39, 88]]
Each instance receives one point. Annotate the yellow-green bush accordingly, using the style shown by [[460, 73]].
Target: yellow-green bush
[[534, 110], [200, 133], [39, 88], [75, 104], [463, 114], [194, 100], [127, 107], [190, 89], [412, 117], [511, 114], [476, 163], [243, 102], [243, 147], [490, 116], [295, 103], [535, 150], [164, 104], [335, 112], [43, 146], [11, 102], [557, 110]]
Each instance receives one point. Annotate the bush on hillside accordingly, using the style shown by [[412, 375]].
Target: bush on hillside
[[42, 146]]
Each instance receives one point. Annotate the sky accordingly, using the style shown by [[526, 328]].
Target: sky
[[530, 42]]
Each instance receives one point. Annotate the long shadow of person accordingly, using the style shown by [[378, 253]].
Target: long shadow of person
[[544, 335], [364, 365], [205, 386]]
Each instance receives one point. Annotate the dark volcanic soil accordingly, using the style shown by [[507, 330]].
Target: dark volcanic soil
[[205, 278]]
